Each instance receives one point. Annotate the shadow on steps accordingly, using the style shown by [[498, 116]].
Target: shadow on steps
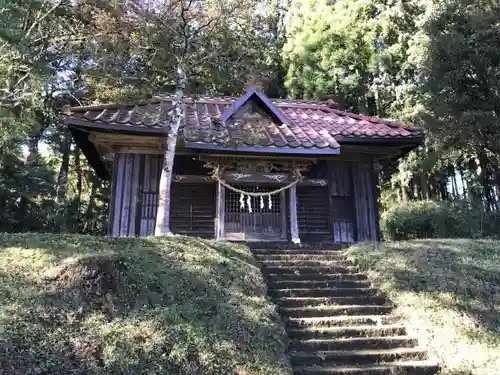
[[337, 323]]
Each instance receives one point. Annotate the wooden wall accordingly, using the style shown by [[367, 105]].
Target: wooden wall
[[353, 205], [343, 211], [313, 213], [134, 197], [134, 200], [193, 209], [367, 225], [342, 202]]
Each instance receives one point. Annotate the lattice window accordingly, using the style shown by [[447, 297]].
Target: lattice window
[[312, 210], [149, 204], [254, 218]]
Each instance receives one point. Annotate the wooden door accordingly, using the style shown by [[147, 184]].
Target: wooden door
[[147, 197], [257, 219]]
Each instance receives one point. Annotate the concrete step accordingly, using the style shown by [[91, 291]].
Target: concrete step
[[297, 251], [345, 332], [314, 276], [330, 256], [310, 312], [356, 357], [304, 284], [306, 263], [298, 270], [321, 292], [424, 367], [343, 321], [354, 343], [265, 245], [330, 301]]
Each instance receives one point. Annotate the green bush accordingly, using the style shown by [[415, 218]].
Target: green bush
[[489, 224], [428, 219]]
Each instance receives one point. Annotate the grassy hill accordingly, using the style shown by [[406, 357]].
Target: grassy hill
[[449, 293], [74, 304]]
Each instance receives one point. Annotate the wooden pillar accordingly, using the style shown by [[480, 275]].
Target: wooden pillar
[[375, 180], [219, 215], [113, 203], [294, 226], [283, 214]]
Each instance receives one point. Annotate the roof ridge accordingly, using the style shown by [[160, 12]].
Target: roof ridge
[[226, 102], [374, 119], [189, 99]]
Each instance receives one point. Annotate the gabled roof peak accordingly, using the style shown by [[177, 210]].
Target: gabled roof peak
[[255, 94]]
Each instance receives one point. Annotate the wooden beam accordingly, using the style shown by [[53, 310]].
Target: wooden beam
[[219, 215], [236, 177], [268, 178], [127, 144], [294, 226], [187, 179], [270, 159], [314, 182]]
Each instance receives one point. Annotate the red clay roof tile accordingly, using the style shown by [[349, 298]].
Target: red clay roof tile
[[310, 124]]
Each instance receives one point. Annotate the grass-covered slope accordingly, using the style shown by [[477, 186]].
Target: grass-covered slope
[[86, 305], [449, 293]]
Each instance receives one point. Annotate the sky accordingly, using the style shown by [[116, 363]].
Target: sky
[[43, 148]]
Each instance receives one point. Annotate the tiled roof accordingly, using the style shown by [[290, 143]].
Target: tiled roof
[[310, 124]]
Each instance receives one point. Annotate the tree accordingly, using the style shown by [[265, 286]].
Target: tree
[[189, 46], [462, 72], [360, 52]]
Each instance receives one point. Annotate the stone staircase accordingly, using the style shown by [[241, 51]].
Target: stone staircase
[[337, 323]]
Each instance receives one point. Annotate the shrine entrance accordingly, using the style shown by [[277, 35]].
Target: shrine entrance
[[256, 200], [255, 218]]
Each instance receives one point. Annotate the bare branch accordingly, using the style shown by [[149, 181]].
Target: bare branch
[[37, 21]]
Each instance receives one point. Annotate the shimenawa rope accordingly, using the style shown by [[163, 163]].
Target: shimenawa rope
[[295, 181]]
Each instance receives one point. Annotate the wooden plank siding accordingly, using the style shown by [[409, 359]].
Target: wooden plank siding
[[135, 195], [193, 209], [135, 200], [313, 213], [365, 202], [149, 181], [125, 195], [342, 213], [339, 204]]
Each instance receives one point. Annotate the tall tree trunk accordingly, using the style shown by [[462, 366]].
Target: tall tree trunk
[[484, 179], [87, 227], [474, 192], [432, 188], [405, 194], [78, 170], [443, 190], [33, 149], [496, 185], [62, 179], [424, 185], [464, 184], [162, 227], [454, 187], [24, 198]]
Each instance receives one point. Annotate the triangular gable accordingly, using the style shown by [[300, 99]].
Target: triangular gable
[[253, 94]]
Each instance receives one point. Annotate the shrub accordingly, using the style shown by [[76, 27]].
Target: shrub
[[428, 219], [489, 224]]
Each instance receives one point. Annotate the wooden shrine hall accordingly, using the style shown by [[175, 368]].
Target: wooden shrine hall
[[246, 169]]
